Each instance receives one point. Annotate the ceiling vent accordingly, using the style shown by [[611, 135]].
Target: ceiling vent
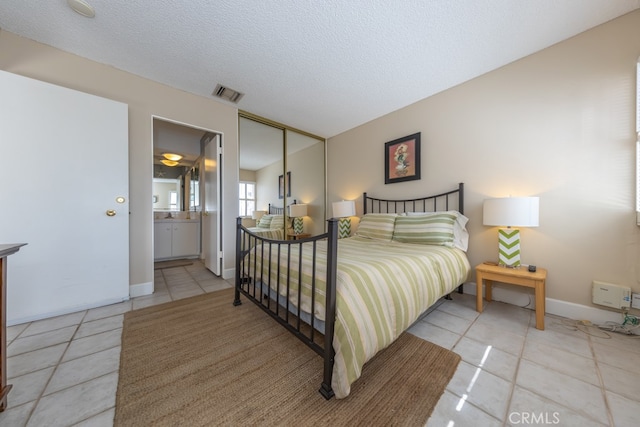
[[227, 94]]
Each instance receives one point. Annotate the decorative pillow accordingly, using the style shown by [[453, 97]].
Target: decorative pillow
[[277, 223], [460, 233], [435, 229], [265, 221], [377, 226]]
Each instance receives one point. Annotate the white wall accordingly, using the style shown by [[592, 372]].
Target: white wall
[[145, 99], [559, 124]]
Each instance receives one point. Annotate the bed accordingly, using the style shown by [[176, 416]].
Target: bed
[[348, 299], [271, 225]]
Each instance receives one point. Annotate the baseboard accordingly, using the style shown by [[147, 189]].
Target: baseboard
[[229, 273], [140, 289], [521, 297]]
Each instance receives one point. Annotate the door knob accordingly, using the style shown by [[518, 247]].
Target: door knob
[[111, 212]]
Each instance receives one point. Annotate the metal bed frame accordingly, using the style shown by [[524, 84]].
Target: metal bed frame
[[256, 286]]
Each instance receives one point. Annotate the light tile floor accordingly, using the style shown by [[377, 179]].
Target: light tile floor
[[64, 370]]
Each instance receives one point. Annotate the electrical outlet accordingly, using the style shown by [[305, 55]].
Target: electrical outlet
[[635, 300]]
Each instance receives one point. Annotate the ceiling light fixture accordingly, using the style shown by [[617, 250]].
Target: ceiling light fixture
[[82, 7], [169, 162], [171, 156]]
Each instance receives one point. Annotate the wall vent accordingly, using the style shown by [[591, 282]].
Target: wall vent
[[227, 94]]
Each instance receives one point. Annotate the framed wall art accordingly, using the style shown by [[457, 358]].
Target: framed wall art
[[402, 159], [281, 184]]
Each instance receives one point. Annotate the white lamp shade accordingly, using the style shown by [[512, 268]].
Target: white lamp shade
[[344, 209], [296, 211], [511, 211], [258, 214]]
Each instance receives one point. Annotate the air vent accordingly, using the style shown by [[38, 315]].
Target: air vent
[[227, 94]]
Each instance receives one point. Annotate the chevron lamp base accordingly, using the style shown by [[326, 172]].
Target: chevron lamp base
[[344, 228], [509, 247], [298, 225]]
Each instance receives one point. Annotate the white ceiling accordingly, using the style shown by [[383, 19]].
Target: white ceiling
[[321, 66]]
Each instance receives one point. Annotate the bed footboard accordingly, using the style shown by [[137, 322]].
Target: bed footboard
[[272, 290]]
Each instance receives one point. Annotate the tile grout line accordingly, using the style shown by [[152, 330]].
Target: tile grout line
[[517, 370], [603, 388], [55, 368], [461, 336]]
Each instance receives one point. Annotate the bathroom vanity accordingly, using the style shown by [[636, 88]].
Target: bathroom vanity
[[176, 238]]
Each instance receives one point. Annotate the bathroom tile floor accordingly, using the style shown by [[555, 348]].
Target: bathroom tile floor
[[64, 370]]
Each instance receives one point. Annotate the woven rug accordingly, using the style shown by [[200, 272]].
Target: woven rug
[[201, 361]]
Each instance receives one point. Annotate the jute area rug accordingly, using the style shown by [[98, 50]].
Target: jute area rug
[[201, 361]]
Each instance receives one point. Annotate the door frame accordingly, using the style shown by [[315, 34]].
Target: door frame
[[192, 126]]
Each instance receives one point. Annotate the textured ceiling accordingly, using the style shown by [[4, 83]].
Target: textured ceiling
[[321, 66]]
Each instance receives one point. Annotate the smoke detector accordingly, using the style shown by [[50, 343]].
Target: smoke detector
[[82, 7], [227, 94]]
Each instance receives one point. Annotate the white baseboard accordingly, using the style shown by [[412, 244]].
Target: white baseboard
[[140, 289], [229, 273], [523, 298]]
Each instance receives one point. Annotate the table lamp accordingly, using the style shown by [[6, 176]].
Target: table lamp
[[297, 212], [343, 210], [510, 212]]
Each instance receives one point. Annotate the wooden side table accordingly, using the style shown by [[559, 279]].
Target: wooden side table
[[519, 276], [294, 236], [5, 251]]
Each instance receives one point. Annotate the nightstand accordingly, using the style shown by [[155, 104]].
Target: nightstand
[[294, 236], [519, 276]]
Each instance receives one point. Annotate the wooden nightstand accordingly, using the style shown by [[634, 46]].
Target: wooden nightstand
[[514, 276], [293, 236]]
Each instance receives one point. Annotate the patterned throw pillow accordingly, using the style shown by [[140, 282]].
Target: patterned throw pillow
[[434, 229], [460, 233], [377, 226], [265, 221], [277, 223]]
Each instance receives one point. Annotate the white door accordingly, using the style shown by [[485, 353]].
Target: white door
[[211, 235], [65, 192]]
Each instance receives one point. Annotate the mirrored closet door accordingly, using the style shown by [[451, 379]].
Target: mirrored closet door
[[286, 166]]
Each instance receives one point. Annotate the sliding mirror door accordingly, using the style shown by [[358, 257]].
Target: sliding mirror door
[[268, 177], [306, 171], [261, 165]]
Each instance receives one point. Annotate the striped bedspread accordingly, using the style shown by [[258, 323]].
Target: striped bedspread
[[268, 233], [382, 288]]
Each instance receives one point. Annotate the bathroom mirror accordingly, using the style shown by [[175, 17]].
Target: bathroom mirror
[[176, 187]]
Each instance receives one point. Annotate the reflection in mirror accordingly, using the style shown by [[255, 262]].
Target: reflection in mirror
[[261, 163], [176, 182], [279, 181], [305, 162]]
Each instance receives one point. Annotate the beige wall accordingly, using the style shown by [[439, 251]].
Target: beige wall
[[145, 99], [559, 124]]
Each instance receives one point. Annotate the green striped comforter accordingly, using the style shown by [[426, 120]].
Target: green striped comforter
[[382, 288], [268, 233]]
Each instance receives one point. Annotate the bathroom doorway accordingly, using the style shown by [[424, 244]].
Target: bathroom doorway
[[186, 193]]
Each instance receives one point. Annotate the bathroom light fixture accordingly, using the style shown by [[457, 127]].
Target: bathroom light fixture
[[82, 7], [172, 156], [169, 162]]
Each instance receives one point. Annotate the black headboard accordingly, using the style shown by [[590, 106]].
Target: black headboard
[[451, 200], [273, 210]]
